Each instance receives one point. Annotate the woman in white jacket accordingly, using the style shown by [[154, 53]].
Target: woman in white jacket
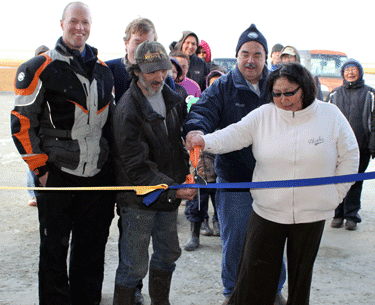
[[294, 137]]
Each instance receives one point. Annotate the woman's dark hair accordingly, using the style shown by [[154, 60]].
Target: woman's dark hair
[[297, 74]]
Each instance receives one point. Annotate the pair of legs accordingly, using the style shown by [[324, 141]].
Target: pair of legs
[[193, 213], [262, 257], [80, 219], [351, 204], [234, 208], [136, 229]]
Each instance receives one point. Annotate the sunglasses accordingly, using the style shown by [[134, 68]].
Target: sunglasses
[[286, 94]]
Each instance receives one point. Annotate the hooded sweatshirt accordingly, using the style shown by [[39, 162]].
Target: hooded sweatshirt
[[198, 69]]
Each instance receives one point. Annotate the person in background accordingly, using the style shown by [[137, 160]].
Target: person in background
[[198, 69], [136, 32], [356, 101], [275, 56], [176, 73], [148, 150], [198, 218], [294, 216], [191, 87], [59, 126], [30, 176], [290, 54], [227, 101], [204, 52]]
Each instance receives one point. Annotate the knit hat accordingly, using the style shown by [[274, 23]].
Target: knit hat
[[151, 56], [277, 48], [352, 62], [252, 34], [207, 49]]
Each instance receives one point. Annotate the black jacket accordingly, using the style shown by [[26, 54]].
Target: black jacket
[[149, 151], [198, 71], [61, 108], [356, 102]]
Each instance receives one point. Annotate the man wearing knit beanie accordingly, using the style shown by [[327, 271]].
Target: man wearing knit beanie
[[227, 101], [251, 53]]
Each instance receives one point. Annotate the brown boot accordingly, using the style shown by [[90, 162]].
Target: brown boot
[[159, 284], [123, 295]]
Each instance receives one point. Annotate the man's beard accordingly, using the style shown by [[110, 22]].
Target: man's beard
[[147, 86]]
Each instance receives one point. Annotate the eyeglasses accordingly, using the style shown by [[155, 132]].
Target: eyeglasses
[[286, 94]]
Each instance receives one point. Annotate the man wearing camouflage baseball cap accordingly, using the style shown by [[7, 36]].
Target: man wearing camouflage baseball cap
[[148, 150]]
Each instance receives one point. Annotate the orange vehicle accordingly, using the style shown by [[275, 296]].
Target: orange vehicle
[[326, 65]]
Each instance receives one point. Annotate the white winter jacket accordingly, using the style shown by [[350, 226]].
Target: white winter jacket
[[314, 142]]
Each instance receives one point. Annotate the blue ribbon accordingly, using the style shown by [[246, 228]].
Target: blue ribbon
[[149, 199]]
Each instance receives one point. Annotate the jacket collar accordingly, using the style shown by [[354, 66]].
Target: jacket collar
[[171, 99], [240, 82], [298, 116], [61, 47]]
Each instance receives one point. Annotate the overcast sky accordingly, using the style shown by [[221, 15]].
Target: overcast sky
[[320, 24]]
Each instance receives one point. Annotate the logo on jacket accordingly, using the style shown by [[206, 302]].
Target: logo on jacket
[[21, 77], [240, 105], [317, 141]]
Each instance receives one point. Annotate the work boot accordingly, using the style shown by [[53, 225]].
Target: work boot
[[123, 295], [350, 225], [205, 228], [159, 284], [337, 222], [193, 243], [215, 228]]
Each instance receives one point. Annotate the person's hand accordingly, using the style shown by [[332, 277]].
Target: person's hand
[[186, 194], [43, 179], [193, 138]]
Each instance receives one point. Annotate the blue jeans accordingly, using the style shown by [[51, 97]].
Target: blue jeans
[[30, 181], [234, 208], [136, 229], [191, 208]]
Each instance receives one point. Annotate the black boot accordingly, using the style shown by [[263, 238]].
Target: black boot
[[159, 284], [193, 242], [123, 295]]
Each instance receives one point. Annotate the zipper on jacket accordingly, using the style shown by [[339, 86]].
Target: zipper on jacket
[[87, 95], [84, 167]]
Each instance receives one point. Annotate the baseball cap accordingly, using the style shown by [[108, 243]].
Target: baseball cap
[[151, 56], [289, 51]]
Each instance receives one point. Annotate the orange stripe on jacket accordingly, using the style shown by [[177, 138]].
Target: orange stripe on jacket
[[24, 137], [104, 108], [78, 105], [29, 90], [36, 161]]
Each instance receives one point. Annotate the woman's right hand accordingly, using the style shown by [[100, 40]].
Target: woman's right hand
[[194, 138]]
